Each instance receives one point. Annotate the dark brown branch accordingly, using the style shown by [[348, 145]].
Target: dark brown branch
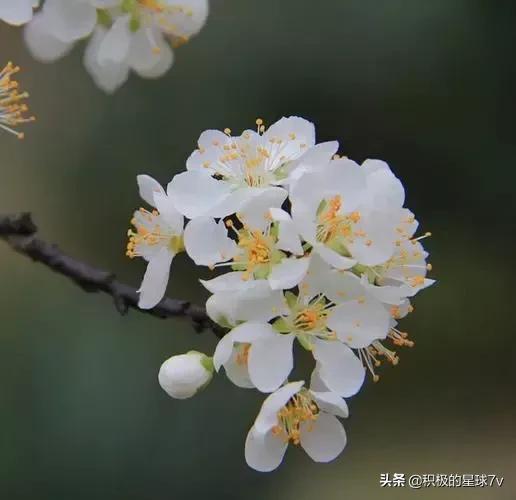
[[19, 231]]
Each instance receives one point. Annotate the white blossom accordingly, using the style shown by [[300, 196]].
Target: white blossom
[[334, 212], [294, 414], [227, 170], [184, 375], [157, 238], [261, 248], [124, 35]]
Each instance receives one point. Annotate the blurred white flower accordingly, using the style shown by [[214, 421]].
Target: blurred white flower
[[17, 12], [226, 171], [259, 249], [12, 103], [184, 375], [294, 414], [125, 35], [158, 238]]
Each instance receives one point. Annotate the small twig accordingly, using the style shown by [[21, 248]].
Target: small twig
[[19, 231]]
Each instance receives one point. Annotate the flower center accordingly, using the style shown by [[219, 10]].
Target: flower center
[[332, 226], [150, 232], [312, 318], [257, 251], [301, 408], [253, 162]]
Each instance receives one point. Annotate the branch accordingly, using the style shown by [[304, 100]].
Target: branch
[[19, 231]]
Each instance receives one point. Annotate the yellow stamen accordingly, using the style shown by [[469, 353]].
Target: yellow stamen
[[12, 109]]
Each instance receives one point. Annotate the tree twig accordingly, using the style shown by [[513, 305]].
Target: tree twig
[[19, 231]]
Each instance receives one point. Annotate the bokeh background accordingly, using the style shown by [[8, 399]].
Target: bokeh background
[[427, 86]]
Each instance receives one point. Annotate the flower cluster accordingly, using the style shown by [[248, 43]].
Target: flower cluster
[[124, 35], [12, 102], [318, 249]]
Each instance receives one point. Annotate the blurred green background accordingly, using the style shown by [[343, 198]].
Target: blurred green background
[[426, 86]]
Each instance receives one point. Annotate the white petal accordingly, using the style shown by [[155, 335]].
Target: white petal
[[323, 440], [340, 370], [271, 361], [228, 282], [155, 280], [378, 245], [167, 209], [148, 186], [330, 402], [347, 179], [267, 417], [220, 307], [44, 46], [115, 45], [320, 154], [338, 286], [207, 242], [108, 77], [359, 322], [288, 237], [196, 193], [163, 62], [245, 333], [234, 201], [16, 12], [288, 273], [389, 294], [70, 20], [237, 371], [333, 258], [254, 212], [384, 189], [303, 130], [264, 453], [145, 49], [223, 351], [259, 303]]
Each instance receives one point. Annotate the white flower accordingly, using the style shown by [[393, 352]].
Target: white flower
[[259, 248], [183, 376], [334, 210], [17, 12], [227, 170], [125, 35], [407, 268], [12, 105], [158, 238], [294, 414]]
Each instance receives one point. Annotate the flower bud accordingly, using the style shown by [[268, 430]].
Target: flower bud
[[184, 375]]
